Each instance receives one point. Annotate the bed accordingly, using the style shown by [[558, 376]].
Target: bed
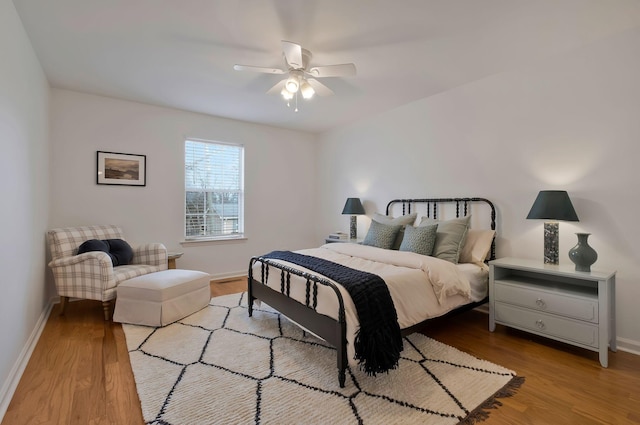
[[421, 287]]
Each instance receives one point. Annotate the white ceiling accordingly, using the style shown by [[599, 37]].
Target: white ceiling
[[180, 53]]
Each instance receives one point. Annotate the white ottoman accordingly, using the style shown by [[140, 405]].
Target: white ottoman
[[160, 298]]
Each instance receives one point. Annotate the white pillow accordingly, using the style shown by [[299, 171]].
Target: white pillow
[[477, 246]]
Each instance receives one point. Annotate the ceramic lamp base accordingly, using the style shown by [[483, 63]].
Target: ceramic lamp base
[[353, 227], [551, 244]]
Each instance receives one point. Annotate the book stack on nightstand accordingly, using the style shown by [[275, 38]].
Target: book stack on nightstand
[[340, 237]]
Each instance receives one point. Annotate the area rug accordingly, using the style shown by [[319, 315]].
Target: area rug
[[219, 366]]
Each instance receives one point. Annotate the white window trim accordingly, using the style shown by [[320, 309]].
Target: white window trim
[[214, 240], [240, 236]]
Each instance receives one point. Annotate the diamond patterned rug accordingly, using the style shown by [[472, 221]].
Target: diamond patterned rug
[[219, 366]]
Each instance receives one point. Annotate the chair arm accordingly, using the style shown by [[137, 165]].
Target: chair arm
[[102, 258], [153, 254], [86, 276]]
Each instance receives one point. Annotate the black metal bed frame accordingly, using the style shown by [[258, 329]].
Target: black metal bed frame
[[331, 330]]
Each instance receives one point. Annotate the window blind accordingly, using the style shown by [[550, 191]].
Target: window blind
[[214, 193]]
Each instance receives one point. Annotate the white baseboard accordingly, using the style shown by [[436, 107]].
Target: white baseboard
[[229, 275], [483, 308], [10, 385], [628, 345]]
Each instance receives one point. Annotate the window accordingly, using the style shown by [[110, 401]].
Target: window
[[214, 190]]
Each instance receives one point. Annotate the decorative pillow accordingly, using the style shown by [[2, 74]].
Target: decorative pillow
[[477, 246], [93, 245], [450, 237], [402, 220], [420, 240], [120, 251], [381, 235]]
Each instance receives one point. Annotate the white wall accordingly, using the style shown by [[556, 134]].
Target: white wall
[[24, 97], [570, 122], [280, 178]]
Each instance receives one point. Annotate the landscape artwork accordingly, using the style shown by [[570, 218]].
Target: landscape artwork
[[121, 169]]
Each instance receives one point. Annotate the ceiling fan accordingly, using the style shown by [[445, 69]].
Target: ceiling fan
[[301, 77]]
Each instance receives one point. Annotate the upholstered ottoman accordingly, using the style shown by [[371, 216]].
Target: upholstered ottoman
[[160, 298]]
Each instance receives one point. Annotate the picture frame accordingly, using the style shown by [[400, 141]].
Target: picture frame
[[123, 169]]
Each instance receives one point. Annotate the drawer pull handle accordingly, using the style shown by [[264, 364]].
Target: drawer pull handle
[[540, 303], [540, 324]]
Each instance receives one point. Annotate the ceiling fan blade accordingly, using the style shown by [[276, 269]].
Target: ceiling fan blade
[[277, 88], [319, 88], [342, 70], [293, 54], [258, 69]]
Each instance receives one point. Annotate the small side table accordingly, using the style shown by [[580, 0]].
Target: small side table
[[172, 257]]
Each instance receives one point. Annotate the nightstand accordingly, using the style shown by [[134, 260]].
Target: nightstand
[[554, 301], [331, 240]]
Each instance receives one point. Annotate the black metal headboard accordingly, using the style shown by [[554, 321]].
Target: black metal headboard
[[463, 206]]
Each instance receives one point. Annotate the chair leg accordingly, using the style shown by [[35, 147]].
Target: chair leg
[[106, 306], [63, 304]]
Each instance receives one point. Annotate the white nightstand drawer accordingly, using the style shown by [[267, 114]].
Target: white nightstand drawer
[[549, 301], [547, 324]]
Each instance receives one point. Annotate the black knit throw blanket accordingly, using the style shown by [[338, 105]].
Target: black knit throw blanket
[[378, 342]]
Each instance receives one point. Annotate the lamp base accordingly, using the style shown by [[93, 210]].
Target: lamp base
[[353, 227], [551, 244]]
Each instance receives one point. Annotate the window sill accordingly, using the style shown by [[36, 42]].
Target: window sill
[[232, 239]]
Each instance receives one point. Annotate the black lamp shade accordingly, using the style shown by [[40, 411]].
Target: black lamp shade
[[553, 205], [353, 206]]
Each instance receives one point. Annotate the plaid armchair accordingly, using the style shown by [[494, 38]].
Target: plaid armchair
[[91, 275]]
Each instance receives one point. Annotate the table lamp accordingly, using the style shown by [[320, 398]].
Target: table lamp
[[354, 207], [552, 205]]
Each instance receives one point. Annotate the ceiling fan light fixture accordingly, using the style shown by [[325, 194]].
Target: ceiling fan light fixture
[[300, 77], [306, 90], [292, 84], [286, 94]]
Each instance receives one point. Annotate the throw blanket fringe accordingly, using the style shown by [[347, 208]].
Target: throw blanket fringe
[[378, 341]]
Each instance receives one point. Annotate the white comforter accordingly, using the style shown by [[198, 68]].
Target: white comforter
[[421, 287]]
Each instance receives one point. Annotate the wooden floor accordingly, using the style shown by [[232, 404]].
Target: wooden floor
[[79, 373]]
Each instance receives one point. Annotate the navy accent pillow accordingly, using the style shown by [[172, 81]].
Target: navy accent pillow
[[93, 245], [120, 251]]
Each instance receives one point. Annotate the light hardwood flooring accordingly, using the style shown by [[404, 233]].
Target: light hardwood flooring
[[79, 373]]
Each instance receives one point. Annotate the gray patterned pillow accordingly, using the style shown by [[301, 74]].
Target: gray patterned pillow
[[420, 240], [403, 220], [381, 235]]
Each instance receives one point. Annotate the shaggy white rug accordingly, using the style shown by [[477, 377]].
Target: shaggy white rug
[[219, 366]]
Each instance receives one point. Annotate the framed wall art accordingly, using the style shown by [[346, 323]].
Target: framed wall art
[[123, 169]]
